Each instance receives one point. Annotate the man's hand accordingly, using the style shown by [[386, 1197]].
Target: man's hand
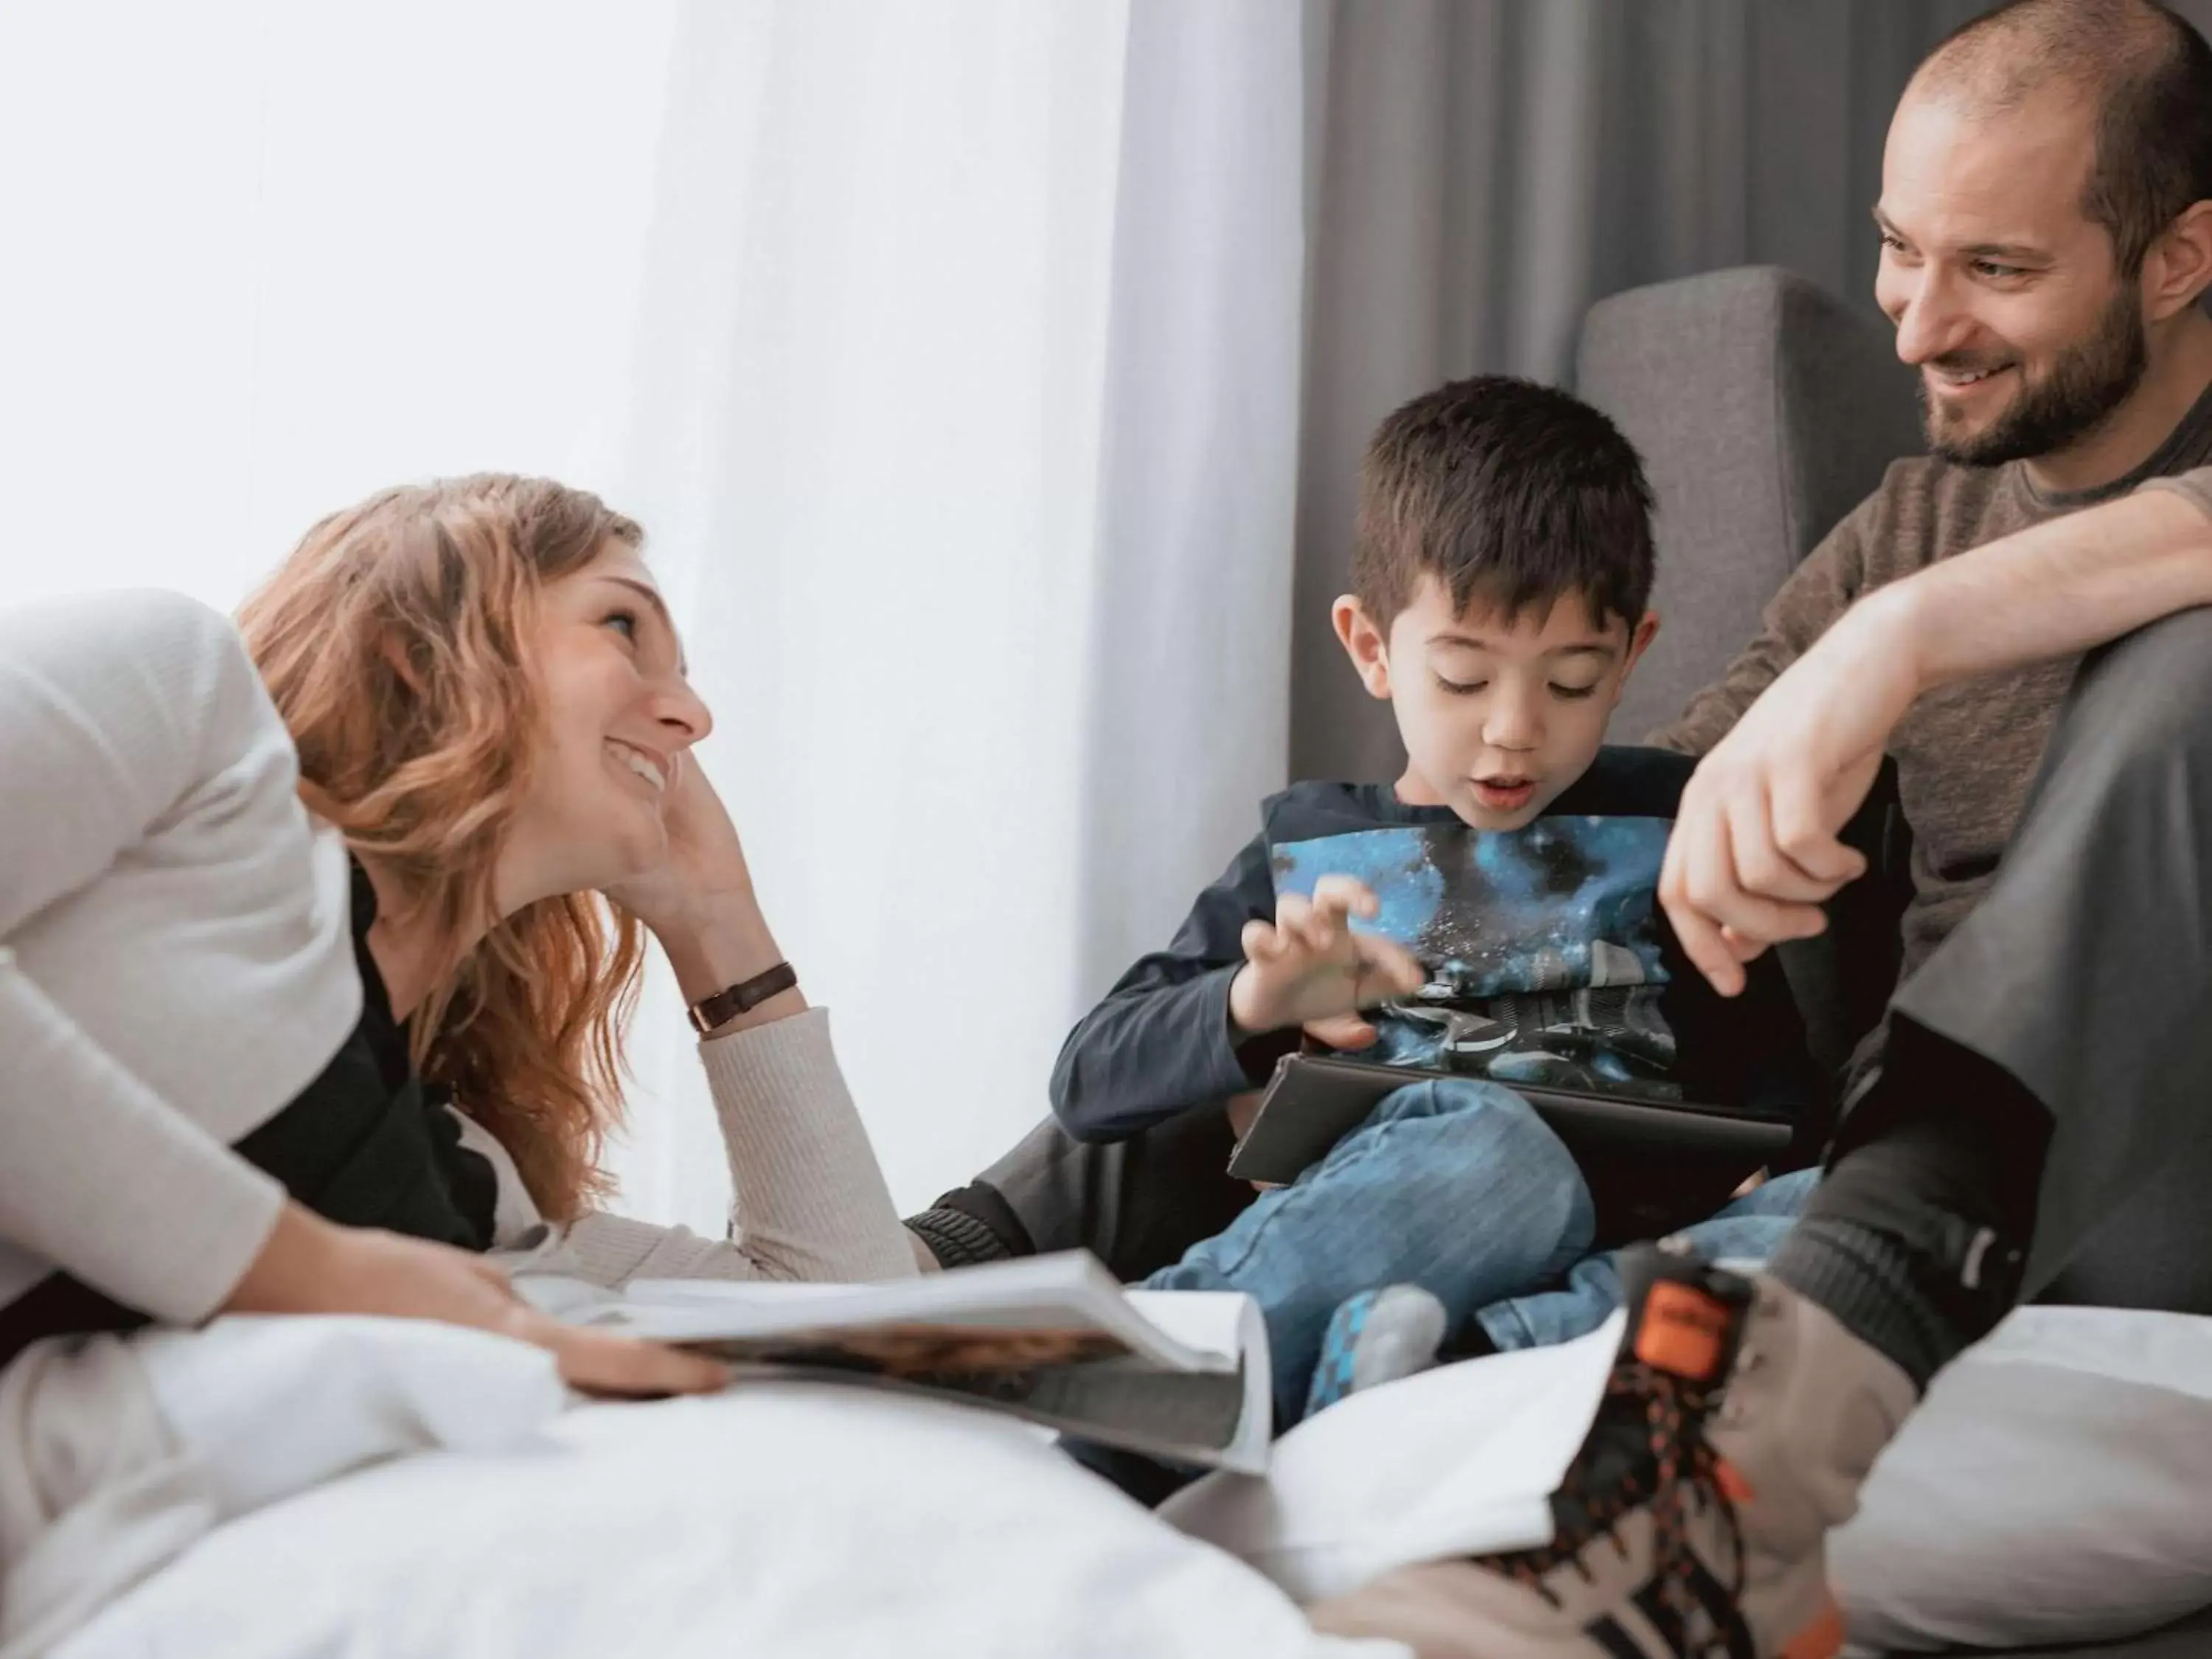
[[1308, 966], [1755, 852]]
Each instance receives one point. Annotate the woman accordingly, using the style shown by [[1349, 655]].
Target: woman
[[492, 731]]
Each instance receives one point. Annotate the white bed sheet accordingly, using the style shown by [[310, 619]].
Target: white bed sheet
[[789, 1520]]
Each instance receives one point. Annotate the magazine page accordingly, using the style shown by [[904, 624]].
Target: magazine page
[[1052, 1340], [1224, 1321], [1031, 1311], [1204, 1419]]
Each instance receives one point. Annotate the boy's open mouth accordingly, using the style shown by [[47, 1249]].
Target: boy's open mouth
[[1504, 794]]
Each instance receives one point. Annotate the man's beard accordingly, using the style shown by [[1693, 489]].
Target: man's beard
[[2087, 383]]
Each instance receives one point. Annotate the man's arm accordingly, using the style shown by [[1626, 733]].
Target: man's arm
[[1755, 851], [2059, 588]]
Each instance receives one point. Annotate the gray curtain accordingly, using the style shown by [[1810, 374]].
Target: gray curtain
[[1487, 168]]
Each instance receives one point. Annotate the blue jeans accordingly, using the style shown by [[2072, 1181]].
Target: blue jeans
[[1745, 1229], [1455, 1185]]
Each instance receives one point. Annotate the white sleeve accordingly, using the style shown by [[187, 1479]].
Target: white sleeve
[[111, 712]]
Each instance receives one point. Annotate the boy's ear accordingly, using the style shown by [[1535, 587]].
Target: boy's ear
[[1364, 643], [1639, 640]]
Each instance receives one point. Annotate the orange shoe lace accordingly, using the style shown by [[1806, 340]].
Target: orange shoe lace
[[1669, 1468]]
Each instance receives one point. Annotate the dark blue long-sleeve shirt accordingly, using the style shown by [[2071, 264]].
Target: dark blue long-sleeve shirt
[[1161, 1041]]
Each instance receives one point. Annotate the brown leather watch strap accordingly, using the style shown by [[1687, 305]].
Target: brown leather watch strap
[[742, 998]]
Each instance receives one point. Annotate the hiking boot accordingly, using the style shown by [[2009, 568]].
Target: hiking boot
[[1735, 1430]]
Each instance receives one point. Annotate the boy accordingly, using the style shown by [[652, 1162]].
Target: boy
[[1501, 574]]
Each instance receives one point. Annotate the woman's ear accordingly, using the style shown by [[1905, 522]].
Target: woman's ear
[[393, 650], [1368, 646]]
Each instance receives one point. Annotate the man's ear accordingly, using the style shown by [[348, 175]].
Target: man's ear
[[2178, 270], [1367, 646]]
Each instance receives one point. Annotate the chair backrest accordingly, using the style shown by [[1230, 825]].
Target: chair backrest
[[1764, 409]]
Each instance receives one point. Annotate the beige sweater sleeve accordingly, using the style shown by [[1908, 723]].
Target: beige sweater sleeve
[[809, 1201]]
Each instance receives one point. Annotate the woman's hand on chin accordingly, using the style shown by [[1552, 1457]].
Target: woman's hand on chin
[[699, 902], [704, 863], [310, 1265]]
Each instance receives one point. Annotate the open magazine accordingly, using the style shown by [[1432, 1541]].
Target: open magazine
[[1179, 1375]]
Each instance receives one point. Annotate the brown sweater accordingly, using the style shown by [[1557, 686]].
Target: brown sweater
[[1966, 753]]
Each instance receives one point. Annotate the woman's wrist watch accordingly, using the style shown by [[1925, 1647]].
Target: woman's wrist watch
[[726, 1004]]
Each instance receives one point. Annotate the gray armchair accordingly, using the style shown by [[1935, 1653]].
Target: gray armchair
[[1765, 408]]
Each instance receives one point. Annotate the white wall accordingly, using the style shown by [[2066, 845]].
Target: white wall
[[261, 259]]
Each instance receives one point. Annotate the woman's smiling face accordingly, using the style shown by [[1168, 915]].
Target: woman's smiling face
[[619, 718]]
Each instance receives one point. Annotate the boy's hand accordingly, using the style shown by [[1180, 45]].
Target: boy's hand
[[1308, 967], [1344, 1033]]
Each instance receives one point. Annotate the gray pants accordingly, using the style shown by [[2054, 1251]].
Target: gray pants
[[2086, 972]]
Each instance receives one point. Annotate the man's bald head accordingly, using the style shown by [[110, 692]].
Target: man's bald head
[[2141, 75]]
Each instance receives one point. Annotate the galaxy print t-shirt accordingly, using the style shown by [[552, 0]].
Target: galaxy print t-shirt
[[1542, 947]]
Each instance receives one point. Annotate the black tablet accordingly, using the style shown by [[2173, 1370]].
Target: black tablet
[[1314, 1101]]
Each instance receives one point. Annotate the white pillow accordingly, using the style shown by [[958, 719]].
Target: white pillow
[[2055, 1486], [798, 1521]]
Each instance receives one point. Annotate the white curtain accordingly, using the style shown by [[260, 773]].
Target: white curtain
[[967, 421], [950, 353]]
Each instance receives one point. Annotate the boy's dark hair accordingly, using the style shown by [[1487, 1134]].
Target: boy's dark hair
[[1506, 490], [2144, 71]]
